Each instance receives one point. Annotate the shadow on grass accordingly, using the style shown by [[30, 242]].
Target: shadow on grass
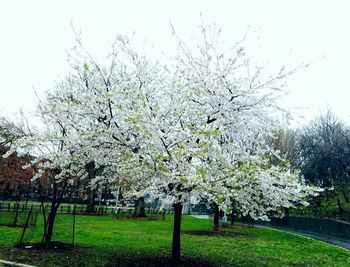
[[157, 261], [221, 232], [60, 254], [58, 246]]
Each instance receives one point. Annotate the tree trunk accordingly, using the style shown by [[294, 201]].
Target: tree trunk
[[326, 194], [50, 222], [28, 192], [140, 208], [340, 208], [50, 225], [317, 202], [16, 215], [216, 217], [176, 253], [233, 213], [90, 168], [91, 201], [346, 197]]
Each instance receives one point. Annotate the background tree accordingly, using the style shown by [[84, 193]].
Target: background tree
[[14, 180], [285, 144], [325, 154]]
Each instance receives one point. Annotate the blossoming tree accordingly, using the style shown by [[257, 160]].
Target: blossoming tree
[[192, 129]]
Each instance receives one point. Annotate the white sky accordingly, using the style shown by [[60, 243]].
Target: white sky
[[35, 34]]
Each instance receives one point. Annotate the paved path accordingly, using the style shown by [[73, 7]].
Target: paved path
[[334, 240], [4, 263], [200, 216]]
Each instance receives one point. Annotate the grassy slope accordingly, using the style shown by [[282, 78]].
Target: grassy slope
[[103, 240]]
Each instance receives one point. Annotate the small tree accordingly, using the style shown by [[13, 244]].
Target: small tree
[[52, 157]]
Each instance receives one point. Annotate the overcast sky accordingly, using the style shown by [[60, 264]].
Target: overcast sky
[[35, 34]]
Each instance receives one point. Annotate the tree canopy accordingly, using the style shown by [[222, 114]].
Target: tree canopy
[[190, 129]]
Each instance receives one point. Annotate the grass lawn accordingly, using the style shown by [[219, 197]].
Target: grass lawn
[[105, 241]]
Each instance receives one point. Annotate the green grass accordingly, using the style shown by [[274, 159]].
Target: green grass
[[104, 241]]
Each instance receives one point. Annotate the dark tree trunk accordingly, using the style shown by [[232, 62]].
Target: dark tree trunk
[[317, 202], [140, 208], [176, 253], [216, 217], [16, 215], [42, 208], [90, 168], [233, 213], [346, 197], [28, 192], [340, 208], [91, 201], [50, 223]]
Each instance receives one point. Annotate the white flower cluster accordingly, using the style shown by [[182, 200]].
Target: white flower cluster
[[192, 130]]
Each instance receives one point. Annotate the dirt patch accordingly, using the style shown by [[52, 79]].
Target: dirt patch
[[236, 226], [158, 261], [221, 232], [139, 218], [90, 256], [57, 246]]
